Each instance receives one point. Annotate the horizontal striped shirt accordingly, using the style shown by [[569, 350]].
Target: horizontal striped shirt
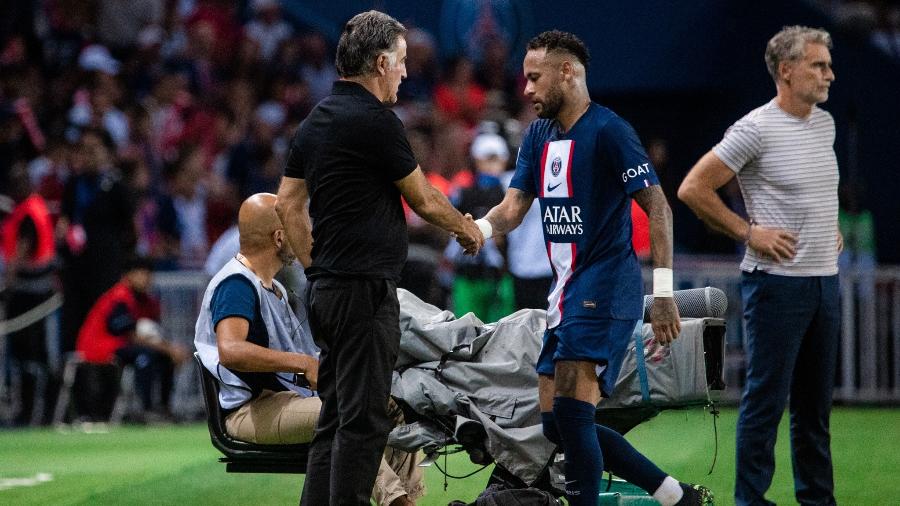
[[788, 174]]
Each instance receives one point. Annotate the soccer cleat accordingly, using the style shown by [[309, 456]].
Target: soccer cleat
[[695, 495]]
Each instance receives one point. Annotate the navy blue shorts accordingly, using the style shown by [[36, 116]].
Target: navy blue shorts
[[599, 340]]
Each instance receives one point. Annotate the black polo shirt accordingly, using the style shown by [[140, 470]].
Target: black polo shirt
[[350, 150]]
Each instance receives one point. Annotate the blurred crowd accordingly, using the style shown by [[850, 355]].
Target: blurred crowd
[[142, 125], [131, 131], [875, 21]]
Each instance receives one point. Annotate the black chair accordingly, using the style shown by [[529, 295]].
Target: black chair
[[241, 456]]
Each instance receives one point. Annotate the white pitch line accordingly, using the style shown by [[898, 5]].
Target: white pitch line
[[7, 483]]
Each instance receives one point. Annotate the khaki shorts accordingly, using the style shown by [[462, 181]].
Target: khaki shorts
[[275, 418]]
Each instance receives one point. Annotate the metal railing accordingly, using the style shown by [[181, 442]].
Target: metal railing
[[180, 296], [869, 355], [869, 367], [868, 362]]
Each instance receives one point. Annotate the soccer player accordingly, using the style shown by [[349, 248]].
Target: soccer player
[[584, 164]]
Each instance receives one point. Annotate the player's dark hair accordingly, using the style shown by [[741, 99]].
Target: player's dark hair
[[365, 36], [559, 41]]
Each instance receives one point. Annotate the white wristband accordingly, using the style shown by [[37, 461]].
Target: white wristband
[[662, 282], [485, 226]]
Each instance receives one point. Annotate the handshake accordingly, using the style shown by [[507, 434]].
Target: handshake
[[472, 234]]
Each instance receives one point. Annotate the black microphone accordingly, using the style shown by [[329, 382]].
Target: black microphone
[[709, 302]]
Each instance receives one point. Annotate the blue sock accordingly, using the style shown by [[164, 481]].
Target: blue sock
[[619, 457], [625, 461], [551, 432], [584, 460]]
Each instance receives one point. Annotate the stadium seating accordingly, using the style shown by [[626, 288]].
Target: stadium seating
[[241, 456]]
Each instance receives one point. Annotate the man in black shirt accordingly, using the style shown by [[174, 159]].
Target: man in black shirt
[[351, 159]]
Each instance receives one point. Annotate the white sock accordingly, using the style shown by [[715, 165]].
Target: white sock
[[669, 492]]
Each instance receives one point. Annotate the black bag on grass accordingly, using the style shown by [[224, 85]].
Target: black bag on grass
[[513, 497]]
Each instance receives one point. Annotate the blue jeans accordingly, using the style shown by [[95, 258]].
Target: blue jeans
[[793, 333]]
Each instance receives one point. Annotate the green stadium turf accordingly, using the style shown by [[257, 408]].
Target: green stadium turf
[[177, 465]]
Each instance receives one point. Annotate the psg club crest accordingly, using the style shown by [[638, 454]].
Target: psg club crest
[[556, 166]]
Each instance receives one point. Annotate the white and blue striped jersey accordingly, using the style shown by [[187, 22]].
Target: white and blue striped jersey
[[583, 180], [789, 178]]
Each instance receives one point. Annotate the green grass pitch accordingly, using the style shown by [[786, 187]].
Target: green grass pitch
[[177, 465]]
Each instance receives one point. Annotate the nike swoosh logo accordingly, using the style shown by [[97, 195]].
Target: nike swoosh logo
[[550, 188]]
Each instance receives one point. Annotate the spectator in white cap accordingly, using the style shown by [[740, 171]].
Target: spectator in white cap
[[481, 285], [489, 150]]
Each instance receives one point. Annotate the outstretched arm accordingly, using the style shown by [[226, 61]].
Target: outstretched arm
[[664, 316], [433, 206], [509, 213]]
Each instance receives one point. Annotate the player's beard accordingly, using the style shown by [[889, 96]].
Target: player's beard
[[551, 105], [286, 255]]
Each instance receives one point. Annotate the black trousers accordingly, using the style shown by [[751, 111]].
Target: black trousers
[[24, 346], [98, 384], [96, 389], [151, 368], [356, 324]]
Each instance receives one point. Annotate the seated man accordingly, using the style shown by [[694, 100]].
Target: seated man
[[121, 328], [253, 343]]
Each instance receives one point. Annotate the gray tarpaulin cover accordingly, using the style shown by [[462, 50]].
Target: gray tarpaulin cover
[[464, 370]]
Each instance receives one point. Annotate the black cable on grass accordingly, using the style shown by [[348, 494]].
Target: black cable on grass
[[714, 411], [448, 475]]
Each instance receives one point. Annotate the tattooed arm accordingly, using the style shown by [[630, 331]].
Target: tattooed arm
[[508, 214], [653, 201], [664, 313]]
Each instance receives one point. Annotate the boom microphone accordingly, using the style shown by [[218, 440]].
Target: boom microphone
[[709, 302]]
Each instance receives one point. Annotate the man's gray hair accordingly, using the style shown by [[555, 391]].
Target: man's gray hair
[[366, 36], [790, 44]]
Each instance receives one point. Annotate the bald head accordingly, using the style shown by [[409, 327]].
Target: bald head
[[257, 222]]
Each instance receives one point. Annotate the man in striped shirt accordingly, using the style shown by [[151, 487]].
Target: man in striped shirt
[[782, 154]]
